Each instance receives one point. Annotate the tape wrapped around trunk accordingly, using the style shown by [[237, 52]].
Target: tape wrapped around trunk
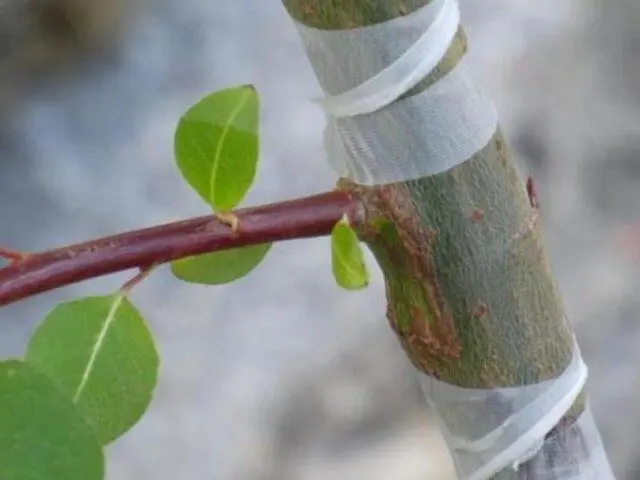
[[488, 430], [371, 136], [376, 135]]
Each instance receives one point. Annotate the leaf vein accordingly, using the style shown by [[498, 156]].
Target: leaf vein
[[218, 153], [111, 315]]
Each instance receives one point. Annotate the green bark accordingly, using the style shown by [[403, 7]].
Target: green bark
[[471, 295]]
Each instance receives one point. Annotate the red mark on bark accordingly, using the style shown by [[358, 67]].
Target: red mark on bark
[[532, 192], [477, 215]]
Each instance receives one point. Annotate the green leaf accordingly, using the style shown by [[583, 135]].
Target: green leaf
[[101, 355], [347, 259], [216, 146], [220, 267], [42, 434]]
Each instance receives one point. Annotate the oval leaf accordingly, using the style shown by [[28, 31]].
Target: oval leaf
[[220, 267], [42, 434], [216, 146], [100, 353], [347, 259]]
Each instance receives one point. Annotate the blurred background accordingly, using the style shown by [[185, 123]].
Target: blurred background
[[282, 375]]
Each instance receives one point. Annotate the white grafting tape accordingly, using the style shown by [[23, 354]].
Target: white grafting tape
[[371, 136], [415, 137], [443, 19], [502, 426]]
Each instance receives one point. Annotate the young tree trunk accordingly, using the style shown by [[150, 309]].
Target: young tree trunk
[[472, 304]]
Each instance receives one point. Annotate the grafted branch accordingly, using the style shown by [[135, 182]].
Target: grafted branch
[[470, 291], [33, 273]]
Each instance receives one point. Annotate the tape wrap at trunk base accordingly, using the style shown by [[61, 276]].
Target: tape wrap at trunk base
[[488, 430]]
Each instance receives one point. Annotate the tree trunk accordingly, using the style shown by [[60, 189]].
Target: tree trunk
[[472, 304]]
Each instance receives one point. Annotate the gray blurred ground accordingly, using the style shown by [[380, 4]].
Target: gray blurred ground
[[282, 375]]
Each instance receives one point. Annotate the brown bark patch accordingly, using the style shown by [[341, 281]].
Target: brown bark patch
[[428, 332]]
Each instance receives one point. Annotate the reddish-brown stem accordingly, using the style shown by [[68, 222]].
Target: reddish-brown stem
[[301, 218]]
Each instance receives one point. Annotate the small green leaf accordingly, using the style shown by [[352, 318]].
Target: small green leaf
[[100, 353], [42, 434], [220, 267], [216, 146], [347, 259]]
